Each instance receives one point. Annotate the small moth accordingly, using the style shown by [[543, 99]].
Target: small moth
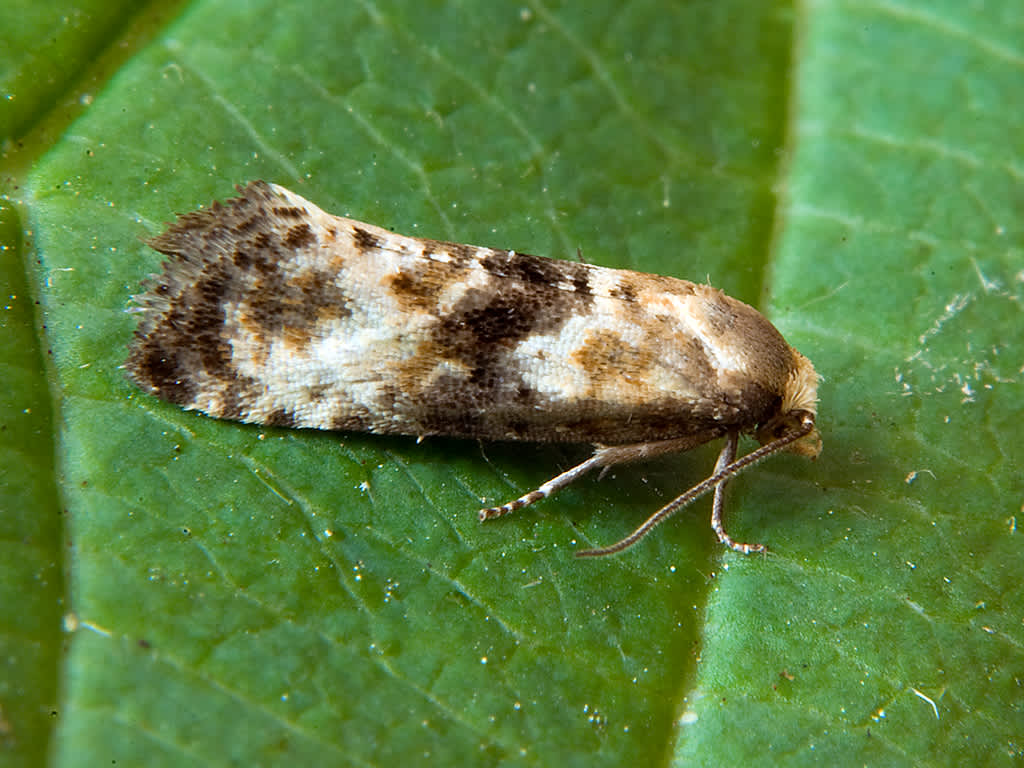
[[271, 311]]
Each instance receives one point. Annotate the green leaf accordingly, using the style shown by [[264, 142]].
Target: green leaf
[[31, 583], [266, 596]]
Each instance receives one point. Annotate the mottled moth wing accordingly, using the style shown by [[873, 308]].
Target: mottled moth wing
[[270, 310]]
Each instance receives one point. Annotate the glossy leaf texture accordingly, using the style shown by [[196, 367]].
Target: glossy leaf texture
[[232, 594]]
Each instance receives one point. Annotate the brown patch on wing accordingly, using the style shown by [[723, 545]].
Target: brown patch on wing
[[459, 254], [625, 290], [300, 236], [185, 339], [239, 256], [633, 288], [280, 418], [537, 272], [365, 240], [289, 212], [614, 368], [476, 338], [291, 305], [420, 287]]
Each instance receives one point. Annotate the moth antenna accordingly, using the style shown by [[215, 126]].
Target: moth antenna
[[716, 479]]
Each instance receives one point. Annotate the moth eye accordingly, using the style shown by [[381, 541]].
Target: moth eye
[[780, 428]]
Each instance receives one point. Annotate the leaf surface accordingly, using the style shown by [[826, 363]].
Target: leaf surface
[[248, 595]]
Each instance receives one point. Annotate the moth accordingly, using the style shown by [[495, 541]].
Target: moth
[[271, 311]]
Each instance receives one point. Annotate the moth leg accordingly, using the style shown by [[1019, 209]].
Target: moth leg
[[725, 458], [717, 479], [603, 458]]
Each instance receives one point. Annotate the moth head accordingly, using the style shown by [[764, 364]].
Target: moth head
[[797, 412], [787, 423]]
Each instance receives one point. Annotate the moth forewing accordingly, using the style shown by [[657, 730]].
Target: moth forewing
[[271, 311]]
